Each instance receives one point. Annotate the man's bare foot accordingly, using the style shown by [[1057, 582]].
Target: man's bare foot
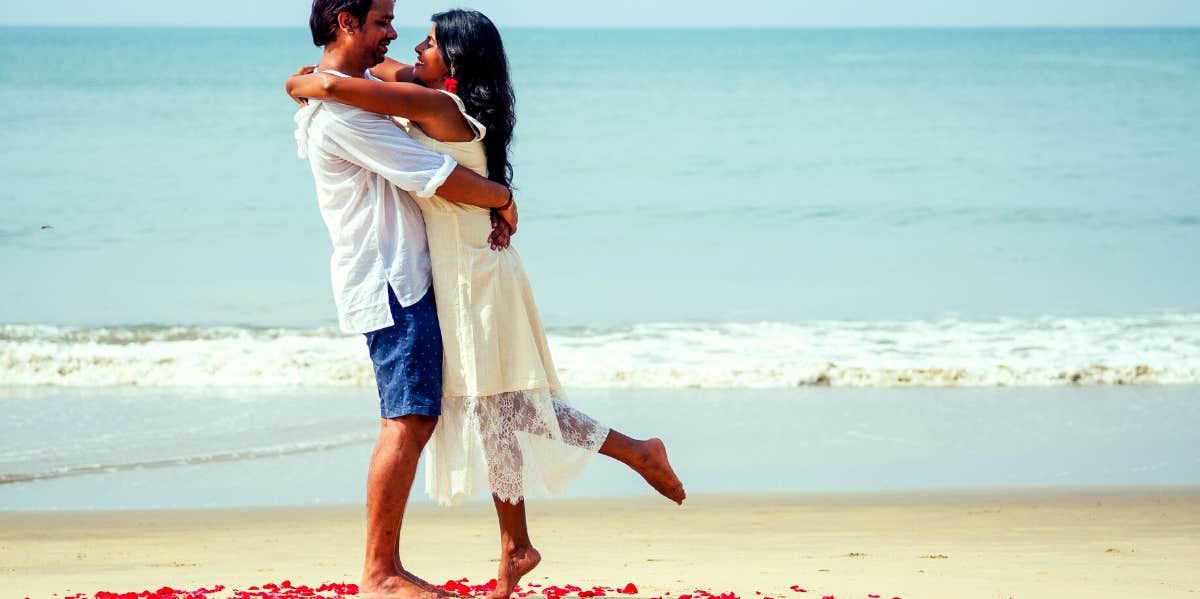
[[514, 563], [421, 582], [654, 467], [392, 586]]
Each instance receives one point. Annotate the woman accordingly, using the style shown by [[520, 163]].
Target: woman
[[504, 423]]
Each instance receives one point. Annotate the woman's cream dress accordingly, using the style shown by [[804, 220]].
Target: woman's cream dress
[[505, 424]]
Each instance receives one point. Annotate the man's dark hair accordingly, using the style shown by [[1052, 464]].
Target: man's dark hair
[[323, 21]]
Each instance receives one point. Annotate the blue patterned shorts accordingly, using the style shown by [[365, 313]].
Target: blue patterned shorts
[[408, 359]]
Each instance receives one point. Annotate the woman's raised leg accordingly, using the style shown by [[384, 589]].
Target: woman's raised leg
[[649, 459]]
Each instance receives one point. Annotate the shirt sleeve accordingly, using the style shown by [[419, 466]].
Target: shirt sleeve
[[382, 147]]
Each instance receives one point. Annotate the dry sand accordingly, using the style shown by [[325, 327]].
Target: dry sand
[[1021, 544]]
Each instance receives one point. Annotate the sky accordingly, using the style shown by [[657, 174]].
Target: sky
[[632, 13]]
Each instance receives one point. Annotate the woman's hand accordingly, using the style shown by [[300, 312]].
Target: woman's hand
[[304, 84], [500, 237]]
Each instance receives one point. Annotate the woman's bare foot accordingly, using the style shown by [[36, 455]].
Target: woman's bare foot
[[392, 586], [515, 562], [656, 469]]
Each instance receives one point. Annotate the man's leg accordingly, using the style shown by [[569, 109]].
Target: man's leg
[[393, 466], [407, 358]]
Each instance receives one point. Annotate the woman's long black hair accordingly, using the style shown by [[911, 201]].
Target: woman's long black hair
[[470, 43]]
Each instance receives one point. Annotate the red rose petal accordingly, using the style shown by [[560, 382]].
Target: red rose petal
[[289, 590]]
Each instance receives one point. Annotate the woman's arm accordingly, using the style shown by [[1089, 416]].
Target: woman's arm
[[408, 100], [393, 71], [288, 86]]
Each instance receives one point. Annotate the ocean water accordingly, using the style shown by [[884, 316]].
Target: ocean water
[[862, 202], [944, 353], [859, 207], [741, 212]]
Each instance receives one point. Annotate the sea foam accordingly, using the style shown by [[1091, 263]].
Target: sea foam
[[1149, 350]]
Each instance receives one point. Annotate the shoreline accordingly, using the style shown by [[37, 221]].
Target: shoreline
[[1018, 542], [863, 497], [313, 447]]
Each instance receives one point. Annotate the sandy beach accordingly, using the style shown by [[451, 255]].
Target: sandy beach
[[1015, 543]]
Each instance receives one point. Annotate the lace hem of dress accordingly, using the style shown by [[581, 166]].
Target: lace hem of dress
[[510, 443]]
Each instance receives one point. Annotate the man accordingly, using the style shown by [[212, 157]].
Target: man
[[365, 167]]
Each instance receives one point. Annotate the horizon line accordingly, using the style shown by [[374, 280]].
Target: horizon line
[[899, 27]]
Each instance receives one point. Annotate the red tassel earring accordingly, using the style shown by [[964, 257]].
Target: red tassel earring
[[452, 83]]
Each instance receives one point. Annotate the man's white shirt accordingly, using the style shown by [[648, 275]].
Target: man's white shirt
[[365, 166]]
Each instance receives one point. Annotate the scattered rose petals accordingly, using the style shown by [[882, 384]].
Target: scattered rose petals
[[462, 586]]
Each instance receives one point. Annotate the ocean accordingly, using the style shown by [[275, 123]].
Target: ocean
[[750, 213]]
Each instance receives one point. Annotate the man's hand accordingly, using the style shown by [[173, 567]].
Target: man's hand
[[302, 71], [510, 216], [501, 233]]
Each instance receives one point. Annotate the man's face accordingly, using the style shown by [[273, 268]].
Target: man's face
[[374, 34]]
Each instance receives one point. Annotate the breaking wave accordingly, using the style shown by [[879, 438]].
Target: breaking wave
[[1150, 350]]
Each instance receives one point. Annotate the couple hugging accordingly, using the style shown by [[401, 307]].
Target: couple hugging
[[412, 176]]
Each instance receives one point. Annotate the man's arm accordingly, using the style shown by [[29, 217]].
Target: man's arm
[[381, 147], [466, 187]]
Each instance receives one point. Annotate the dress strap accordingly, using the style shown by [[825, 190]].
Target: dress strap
[[480, 130]]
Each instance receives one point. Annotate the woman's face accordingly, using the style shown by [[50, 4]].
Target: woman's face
[[430, 67]]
